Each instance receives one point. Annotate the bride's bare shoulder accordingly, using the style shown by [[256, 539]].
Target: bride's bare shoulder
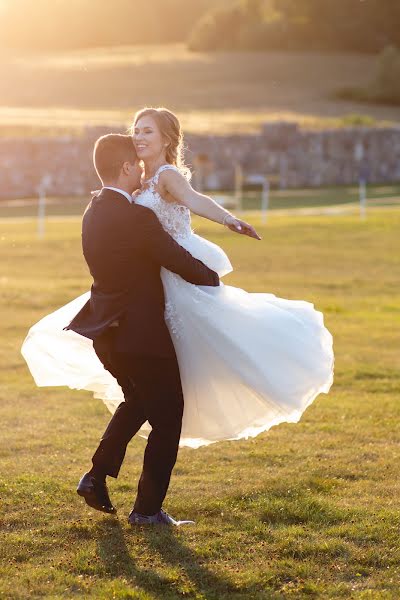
[[173, 182], [171, 173], [170, 182]]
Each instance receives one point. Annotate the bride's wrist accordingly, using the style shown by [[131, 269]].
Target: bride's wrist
[[226, 218]]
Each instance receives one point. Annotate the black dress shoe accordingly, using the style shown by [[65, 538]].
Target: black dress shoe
[[95, 493], [160, 518]]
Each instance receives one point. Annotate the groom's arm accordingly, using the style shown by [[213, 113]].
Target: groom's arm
[[164, 250]]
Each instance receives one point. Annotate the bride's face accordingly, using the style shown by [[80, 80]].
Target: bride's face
[[148, 140]]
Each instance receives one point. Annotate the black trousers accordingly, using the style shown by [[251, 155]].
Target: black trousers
[[153, 392]]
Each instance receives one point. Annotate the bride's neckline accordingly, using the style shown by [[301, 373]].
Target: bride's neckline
[[160, 167]]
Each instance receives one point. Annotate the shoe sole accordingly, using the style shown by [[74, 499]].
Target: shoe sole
[[90, 501], [161, 524]]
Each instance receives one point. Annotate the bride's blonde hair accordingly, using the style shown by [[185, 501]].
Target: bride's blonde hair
[[171, 130]]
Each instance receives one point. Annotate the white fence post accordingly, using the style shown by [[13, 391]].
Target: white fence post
[[41, 215], [363, 197], [359, 154], [261, 180], [239, 186], [265, 200]]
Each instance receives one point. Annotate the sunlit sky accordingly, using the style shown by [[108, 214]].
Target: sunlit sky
[[4, 3]]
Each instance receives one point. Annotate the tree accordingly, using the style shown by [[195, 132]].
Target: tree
[[352, 25]]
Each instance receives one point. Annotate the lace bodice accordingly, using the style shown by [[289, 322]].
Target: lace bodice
[[174, 217]]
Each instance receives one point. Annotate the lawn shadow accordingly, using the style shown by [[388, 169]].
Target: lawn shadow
[[163, 545], [166, 543], [118, 561]]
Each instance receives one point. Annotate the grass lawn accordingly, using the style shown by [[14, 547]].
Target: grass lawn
[[307, 510], [211, 92]]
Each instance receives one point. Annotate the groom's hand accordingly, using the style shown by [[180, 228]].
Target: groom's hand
[[241, 227]]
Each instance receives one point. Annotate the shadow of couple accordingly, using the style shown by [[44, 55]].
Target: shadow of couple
[[163, 544]]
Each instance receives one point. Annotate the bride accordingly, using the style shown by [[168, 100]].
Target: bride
[[247, 361]]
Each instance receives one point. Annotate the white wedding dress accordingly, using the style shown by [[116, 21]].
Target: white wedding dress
[[248, 361]]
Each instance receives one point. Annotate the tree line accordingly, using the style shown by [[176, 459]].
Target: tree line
[[328, 25], [344, 25]]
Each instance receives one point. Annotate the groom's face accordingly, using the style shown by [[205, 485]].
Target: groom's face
[[134, 173]]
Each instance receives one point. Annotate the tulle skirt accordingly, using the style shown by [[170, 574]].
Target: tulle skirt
[[248, 361]]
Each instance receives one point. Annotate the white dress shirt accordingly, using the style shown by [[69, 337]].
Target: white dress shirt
[[127, 196]]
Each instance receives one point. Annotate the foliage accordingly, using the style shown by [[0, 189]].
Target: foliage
[[385, 87], [354, 119], [366, 25], [353, 25]]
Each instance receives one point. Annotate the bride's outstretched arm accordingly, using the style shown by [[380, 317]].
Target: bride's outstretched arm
[[173, 184]]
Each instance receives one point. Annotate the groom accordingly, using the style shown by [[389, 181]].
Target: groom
[[125, 246]]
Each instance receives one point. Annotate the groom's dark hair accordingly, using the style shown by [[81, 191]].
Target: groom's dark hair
[[109, 154]]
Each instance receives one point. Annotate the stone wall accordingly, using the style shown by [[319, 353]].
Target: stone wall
[[290, 156]]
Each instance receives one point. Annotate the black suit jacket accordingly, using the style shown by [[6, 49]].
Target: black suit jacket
[[125, 246]]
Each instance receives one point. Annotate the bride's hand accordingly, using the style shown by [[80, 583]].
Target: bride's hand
[[241, 227]]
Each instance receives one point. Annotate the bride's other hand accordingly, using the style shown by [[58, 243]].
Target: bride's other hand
[[241, 227]]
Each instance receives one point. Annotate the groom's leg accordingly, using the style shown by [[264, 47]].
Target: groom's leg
[[124, 424], [164, 402], [127, 419]]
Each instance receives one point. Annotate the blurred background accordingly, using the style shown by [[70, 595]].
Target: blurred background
[[305, 94]]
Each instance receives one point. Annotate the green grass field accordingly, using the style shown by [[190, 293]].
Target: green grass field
[[307, 510], [221, 92]]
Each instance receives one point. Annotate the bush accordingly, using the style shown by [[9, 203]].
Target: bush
[[385, 87], [299, 25], [355, 119]]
